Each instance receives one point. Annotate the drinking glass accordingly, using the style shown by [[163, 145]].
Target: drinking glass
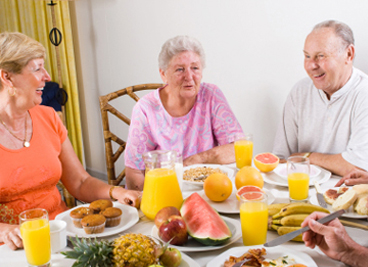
[[179, 169], [298, 168], [243, 146], [254, 218], [35, 232]]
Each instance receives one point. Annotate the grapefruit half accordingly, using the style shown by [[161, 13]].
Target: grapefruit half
[[248, 188], [266, 162]]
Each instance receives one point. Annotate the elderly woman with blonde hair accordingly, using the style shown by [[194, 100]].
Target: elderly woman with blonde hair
[[186, 115], [35, 152]]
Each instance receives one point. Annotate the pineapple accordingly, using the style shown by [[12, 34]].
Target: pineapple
[[133, 250]]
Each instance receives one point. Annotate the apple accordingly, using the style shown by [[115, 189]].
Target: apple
[[174, 229], [171, 257], [164, 214]]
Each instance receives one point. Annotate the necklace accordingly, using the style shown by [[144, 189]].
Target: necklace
[[25, 142]]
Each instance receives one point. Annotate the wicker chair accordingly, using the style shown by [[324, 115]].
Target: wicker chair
[[105, 106]]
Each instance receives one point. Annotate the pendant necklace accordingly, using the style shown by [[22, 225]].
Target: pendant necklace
[[25, 142]]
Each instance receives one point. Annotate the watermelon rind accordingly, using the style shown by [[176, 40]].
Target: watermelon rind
[[204, 224]]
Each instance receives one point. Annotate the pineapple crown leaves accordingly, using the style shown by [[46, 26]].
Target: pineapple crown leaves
[[90, 252]]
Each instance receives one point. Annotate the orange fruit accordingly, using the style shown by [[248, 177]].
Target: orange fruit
[[217, 187], [247, 188], [266, 162], [248, 176]]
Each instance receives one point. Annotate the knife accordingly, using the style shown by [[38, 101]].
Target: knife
[[284, 238], [320, 198]]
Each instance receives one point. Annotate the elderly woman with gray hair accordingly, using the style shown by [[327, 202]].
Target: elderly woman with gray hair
[[186, 115]]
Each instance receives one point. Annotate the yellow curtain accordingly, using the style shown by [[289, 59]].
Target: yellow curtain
[[33, 18]]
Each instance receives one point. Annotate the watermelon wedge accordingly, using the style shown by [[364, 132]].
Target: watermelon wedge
[[203, 222]]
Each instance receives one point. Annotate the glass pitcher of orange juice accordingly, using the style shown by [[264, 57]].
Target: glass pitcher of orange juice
[[161, 187]]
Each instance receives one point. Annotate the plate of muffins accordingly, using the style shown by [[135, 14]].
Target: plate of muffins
[[99, 218]]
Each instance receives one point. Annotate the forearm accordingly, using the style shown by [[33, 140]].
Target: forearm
[[224, 154], [357, 255], [92, 189], [334, 163], [134, 179]]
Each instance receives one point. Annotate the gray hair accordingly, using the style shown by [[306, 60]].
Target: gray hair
[[342, 31], [176, 45]]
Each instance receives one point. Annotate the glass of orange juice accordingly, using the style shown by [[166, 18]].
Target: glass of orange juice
[[254, 218], [243, 146], [35, 232], [161, 187], [298, 168]]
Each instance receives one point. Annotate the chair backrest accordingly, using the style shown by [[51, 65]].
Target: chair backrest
[[106, 107]]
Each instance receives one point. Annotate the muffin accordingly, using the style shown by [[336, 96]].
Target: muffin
[[100, 205], [78, 214], [93, 224], [112, 215]]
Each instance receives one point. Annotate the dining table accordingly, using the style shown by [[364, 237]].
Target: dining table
[[203, 257]]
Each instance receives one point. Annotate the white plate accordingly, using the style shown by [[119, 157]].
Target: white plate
[[281, 170], [129, 218], [227, 170], [349, 212], [272, 253], [17, 258], [194, 246], [275, 179], [231, 205]]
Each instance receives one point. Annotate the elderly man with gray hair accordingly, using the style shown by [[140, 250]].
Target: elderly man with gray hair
[[325, 116]]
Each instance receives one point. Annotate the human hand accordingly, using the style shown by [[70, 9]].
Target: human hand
[[10, 235], [353, 178], [128, 197], [331, 238]]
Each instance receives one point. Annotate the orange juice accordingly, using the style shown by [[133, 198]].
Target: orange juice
[[254, 219], [298, 185], [243, 153], [161, 189], [36, 241]]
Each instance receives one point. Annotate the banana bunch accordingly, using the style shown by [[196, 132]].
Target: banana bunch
[[285, 218]]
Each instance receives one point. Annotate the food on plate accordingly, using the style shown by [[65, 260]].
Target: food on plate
[[291, 220], [361, 189], [171, 257], [163, 214], [99, 205], [218, 187], [134, 250], [199, 174], [203, 222], [275, 208], [248, 176], [93, 224], [247, 188], [78, 214], [332, 194], [360, 205], [298, 208], [174, 231], [266, 162], [256, 257], [345, 200], [112, 215]]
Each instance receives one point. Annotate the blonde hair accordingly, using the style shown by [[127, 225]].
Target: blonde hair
[[16, 50]]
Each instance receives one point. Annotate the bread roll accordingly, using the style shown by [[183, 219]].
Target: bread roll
[[360, 205], [361, 189], [345, 200], [332, 194]]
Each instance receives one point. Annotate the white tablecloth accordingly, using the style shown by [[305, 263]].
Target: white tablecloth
[[144, 226]]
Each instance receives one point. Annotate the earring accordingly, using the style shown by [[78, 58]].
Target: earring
[[13, 92]]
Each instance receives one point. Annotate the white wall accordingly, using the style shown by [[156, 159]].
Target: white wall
[[253, 48]]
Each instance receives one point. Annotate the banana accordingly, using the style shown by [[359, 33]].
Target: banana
[[298, 208], [275, 208], [293, 219], [275, 227], [283, 230], [276, 221]]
